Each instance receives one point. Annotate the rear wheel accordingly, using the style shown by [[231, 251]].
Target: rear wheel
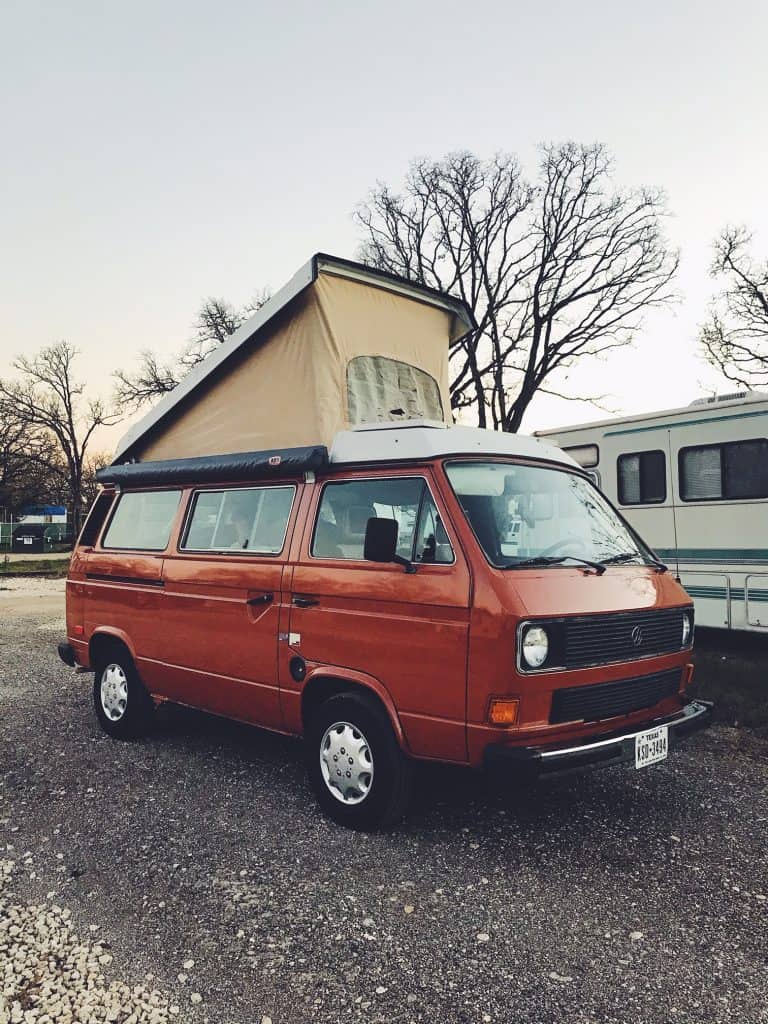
[[124, 709], [359, 774]]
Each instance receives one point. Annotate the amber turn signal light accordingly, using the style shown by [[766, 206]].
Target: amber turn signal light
[[504, 712]]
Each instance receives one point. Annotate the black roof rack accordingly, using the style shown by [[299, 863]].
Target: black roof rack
[[216, 468]]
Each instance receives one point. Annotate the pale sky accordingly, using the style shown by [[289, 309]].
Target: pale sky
[[153, 154]]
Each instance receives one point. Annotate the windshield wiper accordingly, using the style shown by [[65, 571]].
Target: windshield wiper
[[625, 556], [555, 560]]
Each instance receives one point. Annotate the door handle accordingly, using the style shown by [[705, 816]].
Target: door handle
[[261, 599], [305, 602]]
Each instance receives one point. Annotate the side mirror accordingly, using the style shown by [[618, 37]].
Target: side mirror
[[381, 543], [380, 540]]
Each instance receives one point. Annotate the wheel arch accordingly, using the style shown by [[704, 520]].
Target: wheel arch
[[104, 639], [323, 684]]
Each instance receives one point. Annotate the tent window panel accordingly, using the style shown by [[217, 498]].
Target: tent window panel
[[242, 520], [642, 478], [381, 390], [142, 521]]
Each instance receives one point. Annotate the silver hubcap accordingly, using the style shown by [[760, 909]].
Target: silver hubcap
[[113, 689], [346, 763]]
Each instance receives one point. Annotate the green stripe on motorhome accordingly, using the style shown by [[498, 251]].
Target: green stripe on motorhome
[[715, 554], [720, 593]]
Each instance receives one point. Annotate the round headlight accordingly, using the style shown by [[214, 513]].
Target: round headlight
[[535, 646], [687, 628]]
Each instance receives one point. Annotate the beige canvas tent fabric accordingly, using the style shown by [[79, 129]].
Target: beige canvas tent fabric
[[291, 385]]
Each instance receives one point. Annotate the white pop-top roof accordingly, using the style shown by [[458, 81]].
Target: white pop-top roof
[[264, 320], [389, 442]]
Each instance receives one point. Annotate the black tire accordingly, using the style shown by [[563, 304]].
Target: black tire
[[389, 788], [115, 674]]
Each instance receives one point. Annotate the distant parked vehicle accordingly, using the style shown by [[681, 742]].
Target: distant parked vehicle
[[28, 539], [694, 483]]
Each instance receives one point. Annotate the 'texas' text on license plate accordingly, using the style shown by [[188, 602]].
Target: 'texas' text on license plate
[[651, 746]]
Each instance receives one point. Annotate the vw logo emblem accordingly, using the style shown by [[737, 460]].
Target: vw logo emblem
[[637, 636]]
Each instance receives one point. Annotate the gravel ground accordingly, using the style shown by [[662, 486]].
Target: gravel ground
[[203, 878]]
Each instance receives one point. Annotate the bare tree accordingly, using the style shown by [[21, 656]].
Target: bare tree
[[216, 320], [554, 271], [51, 404], [28, 467], [93, 464], [735, 339]]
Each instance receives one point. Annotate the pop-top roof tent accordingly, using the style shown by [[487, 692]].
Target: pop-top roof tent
[[339, 346]]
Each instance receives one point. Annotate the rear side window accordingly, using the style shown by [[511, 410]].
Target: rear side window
[[642, 478], [346, 507], [96, 518], [714, 472], [142, 521], [252, 520]]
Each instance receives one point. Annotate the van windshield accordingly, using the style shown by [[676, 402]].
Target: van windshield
[[529, 514]]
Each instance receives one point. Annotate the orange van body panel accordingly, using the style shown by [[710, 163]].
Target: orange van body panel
[[292, 695], [409, 631], [219, 631]]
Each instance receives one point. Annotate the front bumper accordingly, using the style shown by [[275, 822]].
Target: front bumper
[[596, 752]]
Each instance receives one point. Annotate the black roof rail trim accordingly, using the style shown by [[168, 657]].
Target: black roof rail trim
[[278, 462]]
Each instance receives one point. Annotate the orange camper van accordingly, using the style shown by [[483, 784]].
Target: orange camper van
[[411, 590]]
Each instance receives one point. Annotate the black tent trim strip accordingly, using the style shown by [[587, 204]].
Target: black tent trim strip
[[280, 462]]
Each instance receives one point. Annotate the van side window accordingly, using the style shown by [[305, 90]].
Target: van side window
[[346, 507], [642, 478], [432, 543], [734, 470], [142, 521], [96, 519], [252, 519]]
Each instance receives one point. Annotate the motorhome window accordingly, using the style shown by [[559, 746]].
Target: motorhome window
[[142, 521], [733, 471], [587, 455], [96, 518], [381, 390], [746, 469], [249, 520], [642, 478], [522, 513], [346, 506]]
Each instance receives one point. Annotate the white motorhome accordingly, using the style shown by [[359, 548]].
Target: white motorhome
[[694, 484]]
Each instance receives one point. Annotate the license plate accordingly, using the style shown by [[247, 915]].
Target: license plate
[[651, 746]]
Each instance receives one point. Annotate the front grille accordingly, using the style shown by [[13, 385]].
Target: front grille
[[622, 636], [606, 700]]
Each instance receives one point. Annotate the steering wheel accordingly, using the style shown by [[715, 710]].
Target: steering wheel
[[564, 542]]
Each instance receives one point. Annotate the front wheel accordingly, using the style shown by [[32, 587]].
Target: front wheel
[[123, 707], [356, 768]]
